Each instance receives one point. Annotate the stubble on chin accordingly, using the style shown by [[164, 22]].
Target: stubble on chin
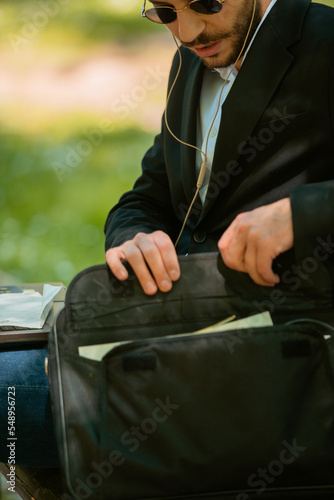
[[219, 61], [235, 39]]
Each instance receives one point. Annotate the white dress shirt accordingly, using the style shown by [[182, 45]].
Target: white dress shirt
[[210, 102]]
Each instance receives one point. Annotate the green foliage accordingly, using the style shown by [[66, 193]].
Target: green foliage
[[57, 184], [326, 2], [71, 24], [54, 199], [61, 172]]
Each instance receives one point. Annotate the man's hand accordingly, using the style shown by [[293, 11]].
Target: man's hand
[[153, 259], [256, 238]]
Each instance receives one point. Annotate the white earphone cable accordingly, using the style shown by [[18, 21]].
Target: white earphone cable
[[204, 153]]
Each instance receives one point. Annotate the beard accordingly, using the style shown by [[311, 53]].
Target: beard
[[235, 37]]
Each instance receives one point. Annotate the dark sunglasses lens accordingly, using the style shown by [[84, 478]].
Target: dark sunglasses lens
[[206, 6], [162, 15]]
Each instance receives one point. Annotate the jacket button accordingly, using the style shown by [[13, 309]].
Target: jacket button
[[199, 236]]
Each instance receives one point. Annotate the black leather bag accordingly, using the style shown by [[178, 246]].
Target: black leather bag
[[227, 415]]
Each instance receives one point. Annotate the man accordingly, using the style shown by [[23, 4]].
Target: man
[[270, 185], [268, 189]]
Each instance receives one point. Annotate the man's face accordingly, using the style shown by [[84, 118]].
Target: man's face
[[217, 39]]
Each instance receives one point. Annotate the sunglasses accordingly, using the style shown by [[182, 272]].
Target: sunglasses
[[166, 15]]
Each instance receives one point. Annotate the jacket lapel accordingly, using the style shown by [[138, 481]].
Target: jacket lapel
[[255, 84], [188, 131]]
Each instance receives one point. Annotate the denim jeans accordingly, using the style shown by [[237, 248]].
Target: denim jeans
[[23, 380]]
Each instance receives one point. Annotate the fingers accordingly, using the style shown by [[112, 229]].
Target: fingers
[[244, 251], [135, 251], [152, 258], [232, 245], [258, 259], [146, 259], [168, 255], [114, 258], [254, 239]]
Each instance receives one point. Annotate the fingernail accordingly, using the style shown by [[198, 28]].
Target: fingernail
[[165, 285], [150, 288], [122, 274], [174, 275]]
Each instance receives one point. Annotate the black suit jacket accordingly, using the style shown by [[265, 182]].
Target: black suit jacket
[[276, 139]]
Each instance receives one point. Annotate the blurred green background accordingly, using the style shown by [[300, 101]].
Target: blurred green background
[[82, 89]]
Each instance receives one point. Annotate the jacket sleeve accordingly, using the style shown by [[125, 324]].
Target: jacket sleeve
[[313, 220], [313, 206]]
